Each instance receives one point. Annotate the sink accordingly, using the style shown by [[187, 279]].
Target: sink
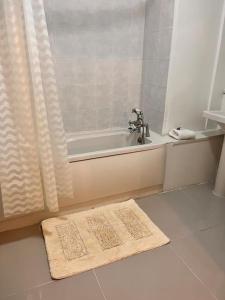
[[219, 117], [215, 115]]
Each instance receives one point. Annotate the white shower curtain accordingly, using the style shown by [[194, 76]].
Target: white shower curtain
[[34, 172]]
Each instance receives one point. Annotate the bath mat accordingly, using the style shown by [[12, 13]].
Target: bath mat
[[85, 240]]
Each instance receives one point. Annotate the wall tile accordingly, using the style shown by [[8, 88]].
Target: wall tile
[[104, 99], [120, 72], [120, 109], [156, 120], [73, 46], [157, 43], [151, 44], [164, 43], [104, 69], [98, 49], [84, 71], [147, 72], [158, 95], [134, 95], [69, 106], [135, 71], [85, 97], [59, 5], [76, 72], [159, 72], [137, 29], [166, 14], [104, 45], [121, 43], [64, 72], [153, 97], [153, 11]]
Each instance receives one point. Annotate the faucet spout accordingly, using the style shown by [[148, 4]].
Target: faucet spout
[[147, 131], [139, 126]]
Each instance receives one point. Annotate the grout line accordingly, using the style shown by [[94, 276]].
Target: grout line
[[211, 227], [193, 273], [196, 231], [100, 287], [27, 290]]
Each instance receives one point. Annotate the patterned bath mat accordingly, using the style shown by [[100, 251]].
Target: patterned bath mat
[[89, 239]]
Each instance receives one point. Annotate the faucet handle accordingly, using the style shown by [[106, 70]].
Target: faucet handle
[[137, 111], [131, 127]]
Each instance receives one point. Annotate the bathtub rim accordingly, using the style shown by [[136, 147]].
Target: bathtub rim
[[113, 152], [157, 142]]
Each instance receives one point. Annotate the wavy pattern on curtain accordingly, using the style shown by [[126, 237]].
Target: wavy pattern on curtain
[[34, 172]]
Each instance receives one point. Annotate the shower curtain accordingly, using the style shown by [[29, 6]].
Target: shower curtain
[[34, 173]]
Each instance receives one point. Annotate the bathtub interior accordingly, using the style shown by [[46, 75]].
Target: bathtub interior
[[101, 142], [106, 143]]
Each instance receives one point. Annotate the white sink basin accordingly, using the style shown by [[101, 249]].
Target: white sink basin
[[215, 115], [218, 116]]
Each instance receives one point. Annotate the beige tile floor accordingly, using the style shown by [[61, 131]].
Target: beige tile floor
[[191, 267]]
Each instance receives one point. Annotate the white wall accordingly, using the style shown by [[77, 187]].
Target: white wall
[[218, 83], [193, 50]]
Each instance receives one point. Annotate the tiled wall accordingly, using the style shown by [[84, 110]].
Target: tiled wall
[[157, 42], [98, 50], [110, 56]]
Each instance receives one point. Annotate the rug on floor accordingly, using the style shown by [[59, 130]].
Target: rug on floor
[[85, 240]]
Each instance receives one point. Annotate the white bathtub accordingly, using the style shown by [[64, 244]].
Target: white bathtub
[[115, 174], [89, 146], [112, 165]]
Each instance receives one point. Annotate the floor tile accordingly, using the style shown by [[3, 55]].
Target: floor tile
[[209, 209], [164, 212], [28, 295], [193, 218], [23, 261], [152, 275], [79, 287], [182, 212], [204, 253]]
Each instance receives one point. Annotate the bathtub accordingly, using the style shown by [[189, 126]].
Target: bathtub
[[111, 165], [89, 146]]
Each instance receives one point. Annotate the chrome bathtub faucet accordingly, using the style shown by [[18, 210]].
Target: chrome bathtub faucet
[[139, 126]]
